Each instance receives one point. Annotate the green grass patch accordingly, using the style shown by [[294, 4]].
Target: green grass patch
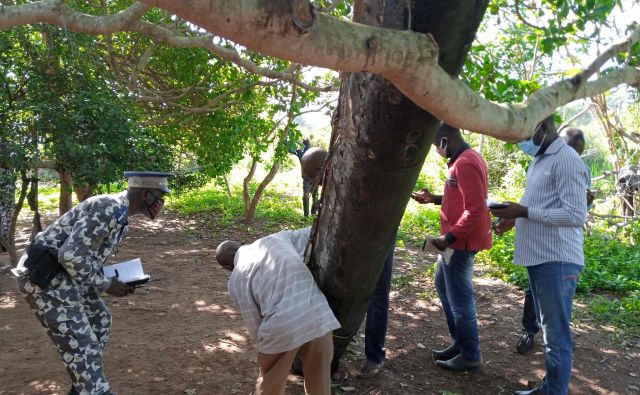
[[623, 313], [499, 261], [48, 198], [417, 222], [274, 210], [403, 280], [612, 266]]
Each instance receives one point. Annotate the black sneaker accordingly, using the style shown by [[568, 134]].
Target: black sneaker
[[525, 343]]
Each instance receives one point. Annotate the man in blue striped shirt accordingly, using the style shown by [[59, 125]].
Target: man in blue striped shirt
[[574, 138], [549, 243]]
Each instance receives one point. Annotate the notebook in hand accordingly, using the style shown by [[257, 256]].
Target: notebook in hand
[[428, 246], [129, 272]]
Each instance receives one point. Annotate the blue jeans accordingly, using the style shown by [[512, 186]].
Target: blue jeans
[[454, 283], [529, 316], [375, 329], [553, 285]]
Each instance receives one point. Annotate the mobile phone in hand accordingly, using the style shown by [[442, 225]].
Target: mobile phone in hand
[[495, 223], [493, 205]]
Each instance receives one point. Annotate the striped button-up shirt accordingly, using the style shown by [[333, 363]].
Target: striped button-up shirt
[[277, 295], [555, 195]]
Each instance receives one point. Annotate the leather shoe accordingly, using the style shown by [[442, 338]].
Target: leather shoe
[[370, 369], [445, 354], [525, 343], [534, 391], [459, 364]]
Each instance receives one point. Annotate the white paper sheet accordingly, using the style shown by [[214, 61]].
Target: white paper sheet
[[428, 246], [127, 271]]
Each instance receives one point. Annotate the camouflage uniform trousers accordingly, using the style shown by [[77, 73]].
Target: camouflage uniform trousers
[[79, 324]]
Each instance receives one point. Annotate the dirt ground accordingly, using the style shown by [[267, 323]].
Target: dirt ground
[[182, 335]]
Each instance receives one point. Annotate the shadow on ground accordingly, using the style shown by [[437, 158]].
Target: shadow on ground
[[182, 335]]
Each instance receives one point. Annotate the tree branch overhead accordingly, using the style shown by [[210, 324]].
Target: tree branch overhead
[[293, 30]]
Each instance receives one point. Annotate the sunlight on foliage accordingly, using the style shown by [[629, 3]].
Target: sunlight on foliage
[[275, 209]]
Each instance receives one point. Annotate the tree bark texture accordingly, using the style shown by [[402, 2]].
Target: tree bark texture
[[384, 139], [250, 211], [32, 200], [24, 187], [66, 196]]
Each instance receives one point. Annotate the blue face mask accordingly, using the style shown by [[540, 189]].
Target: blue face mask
[[528, 147]]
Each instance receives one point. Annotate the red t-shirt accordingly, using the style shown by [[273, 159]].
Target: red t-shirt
[[464, 211]]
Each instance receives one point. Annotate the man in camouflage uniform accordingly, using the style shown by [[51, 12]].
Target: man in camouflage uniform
[[70, 307], [7, 202]]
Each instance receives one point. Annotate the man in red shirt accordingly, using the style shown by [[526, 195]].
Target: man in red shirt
[[466, 229]]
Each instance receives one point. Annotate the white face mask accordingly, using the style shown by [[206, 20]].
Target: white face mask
[[442, 148]]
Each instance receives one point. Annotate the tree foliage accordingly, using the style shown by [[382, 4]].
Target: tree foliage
[[62, 96]]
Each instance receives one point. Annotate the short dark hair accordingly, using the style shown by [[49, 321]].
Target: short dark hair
[[447, 131], [548, 123], [574, 134], [574, 138]]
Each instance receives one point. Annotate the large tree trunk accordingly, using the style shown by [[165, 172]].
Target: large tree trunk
[[32, 200], [83, 192], [250, 211], [384, 141], [24, 187], [66, 193]]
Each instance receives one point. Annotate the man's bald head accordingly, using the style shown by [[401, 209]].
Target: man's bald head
[[226, 253], [574, 138], [312, 162]]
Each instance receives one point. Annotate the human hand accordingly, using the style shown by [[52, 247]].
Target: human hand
[[441, 243], [513, 210], [503, 225], [119, 289], [422, 197]]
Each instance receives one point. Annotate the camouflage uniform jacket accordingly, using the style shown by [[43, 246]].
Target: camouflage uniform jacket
[[85, 237]]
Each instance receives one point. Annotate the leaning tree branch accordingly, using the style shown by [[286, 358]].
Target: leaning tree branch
[[164, 119], [173, 94], [57, 13], [407, 59], [214, 104], [621, 46], [292, 30], [141, 65]]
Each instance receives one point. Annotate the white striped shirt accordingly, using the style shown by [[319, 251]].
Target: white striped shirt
[[555, 195], [276, 294]]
